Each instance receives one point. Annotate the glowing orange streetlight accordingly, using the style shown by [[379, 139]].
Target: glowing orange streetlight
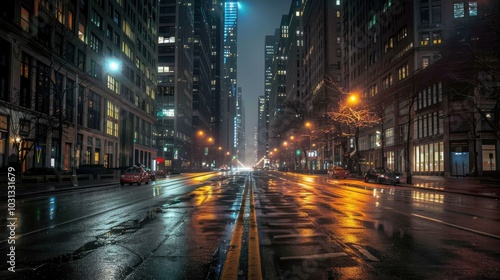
[[353, 99], [309, 126]]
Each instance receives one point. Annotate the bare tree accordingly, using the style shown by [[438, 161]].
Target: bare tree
[[27, 128], [355, 117]]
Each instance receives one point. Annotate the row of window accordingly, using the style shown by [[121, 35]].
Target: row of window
[[430, 96], [428, 125], [428, 157]]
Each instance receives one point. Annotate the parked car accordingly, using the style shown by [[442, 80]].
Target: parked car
[[152, 175], [338, 172], [224, 168], [160, 174], [382, 175], [133, 175]]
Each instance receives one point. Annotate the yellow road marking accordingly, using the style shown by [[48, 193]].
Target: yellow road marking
[[254, 267], [231, 265]]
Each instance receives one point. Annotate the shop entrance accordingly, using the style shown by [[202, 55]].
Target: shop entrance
[[459, 164]]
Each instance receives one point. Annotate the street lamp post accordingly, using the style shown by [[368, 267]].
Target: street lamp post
[[113, 66], [210, 141], [382, 136], [292, 154], [74, 178], [310, 155], [286, 155]]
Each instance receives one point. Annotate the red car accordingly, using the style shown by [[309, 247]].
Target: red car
[[134, 175], [338, 172]]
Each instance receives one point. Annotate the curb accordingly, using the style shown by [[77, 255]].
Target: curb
[[59, 189]]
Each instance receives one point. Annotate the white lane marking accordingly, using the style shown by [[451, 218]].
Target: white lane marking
[[457, 226], [291, 224], [283, 214], [276, 207], [285, 236], [316, 256], [366, 253]]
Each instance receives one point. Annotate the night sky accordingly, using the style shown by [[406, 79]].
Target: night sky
[[256, 19]]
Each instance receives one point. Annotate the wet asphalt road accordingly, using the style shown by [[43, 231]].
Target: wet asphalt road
[[169, 229], [308, 228], [313, 228]]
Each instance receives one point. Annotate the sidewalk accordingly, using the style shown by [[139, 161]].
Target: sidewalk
[[479, 186], [47, 187], [467, 185]]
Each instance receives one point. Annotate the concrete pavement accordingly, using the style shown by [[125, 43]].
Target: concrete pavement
[[478, 186], [23, 189]]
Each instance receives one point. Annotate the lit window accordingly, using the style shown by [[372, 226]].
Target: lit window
[[70, 20], [425, 61], [472, 9], [112, 119], [424, 39], [81, 32], [437, 38], [458, 10], [25, 19], [60, 12], [113, 84]]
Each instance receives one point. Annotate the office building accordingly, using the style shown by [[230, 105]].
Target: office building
[[51, 49], [411, 62], [175, 84]]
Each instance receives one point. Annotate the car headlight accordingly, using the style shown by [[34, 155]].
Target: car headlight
[[397, 177]]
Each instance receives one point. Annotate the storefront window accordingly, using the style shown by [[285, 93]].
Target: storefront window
[[390, 159], [3, 147], [428, 157], [489, 158]]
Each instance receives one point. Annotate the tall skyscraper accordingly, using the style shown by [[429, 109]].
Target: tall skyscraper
[[271, 44], [278, 91], [261, 133], [202, 147], [217, 45], [175, 84], [239, 125], [229, 89]]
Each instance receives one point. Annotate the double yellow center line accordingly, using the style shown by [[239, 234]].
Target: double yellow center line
[[232, 263]]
